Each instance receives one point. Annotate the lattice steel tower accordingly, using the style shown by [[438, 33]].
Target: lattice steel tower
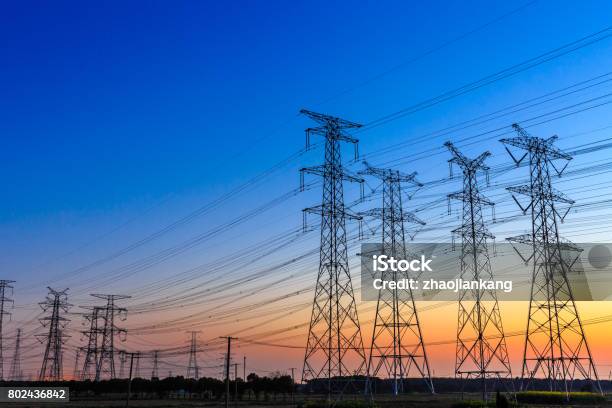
[[555, 343], [91, 353], [57, 301], [155, 370], [482, 352], [193, 371], [397, 340], [335, 348], [106, 362], [15, 373], [4, 285]]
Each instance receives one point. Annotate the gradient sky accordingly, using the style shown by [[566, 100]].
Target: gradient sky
[[119, 118]]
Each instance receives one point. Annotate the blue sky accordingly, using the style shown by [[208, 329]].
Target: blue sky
[[118, 118], [110, 109]]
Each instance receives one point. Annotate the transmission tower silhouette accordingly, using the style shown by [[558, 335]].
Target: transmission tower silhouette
[[4, 285], [335, 347], [155, 371], [555, 344], [91, 352], [137, 366], [482, 352], [122, 361], [15, 373], [106, 360], [193, 370], [57, 301], [397, 340], [75, 371]]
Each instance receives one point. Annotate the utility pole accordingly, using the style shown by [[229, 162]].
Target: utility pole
[[15, 373], [91, 354], [555, 343], [155, 371], [482, 352], [397, 339], [244, 368], [334, 350], [4, 299], [193, 370], [227, 368], [57, 301], [106, 362]]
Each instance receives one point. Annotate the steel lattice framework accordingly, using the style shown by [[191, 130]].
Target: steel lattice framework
[[57, 301], [334, 350], [15, 373], [397, 340], [106, 363], [555, 344], [482, 352], [91, 353], [4, 285], [193, 371], [155, 370]]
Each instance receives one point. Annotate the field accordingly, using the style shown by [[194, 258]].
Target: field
[[405, 401]]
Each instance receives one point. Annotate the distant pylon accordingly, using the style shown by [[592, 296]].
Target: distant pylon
[[482, 352], [122, 360], [75, 370], [4, 285], [57, 301], [555, 344], [155, 371], [106, 360], [334, 350], [397, 340], [137, 365], [15, 373], [193, 371]]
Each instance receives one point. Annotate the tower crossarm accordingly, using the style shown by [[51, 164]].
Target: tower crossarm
[[477, 198], [390, 175], [324, 209], [466, 230], [468, 165], [325, 119], [562, 244], [534, 144], [404, 216], [325, 169], [545, 195]]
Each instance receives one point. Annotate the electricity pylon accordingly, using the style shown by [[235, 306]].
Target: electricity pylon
[[555, 343], [15, 373], [334, 350], [122, 361], [482, 352], [57, 301], [137, 366], [193, 371], [155, 370], [91, 353], [106, 362], [75, 371], [4, 285], [397, 339]]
